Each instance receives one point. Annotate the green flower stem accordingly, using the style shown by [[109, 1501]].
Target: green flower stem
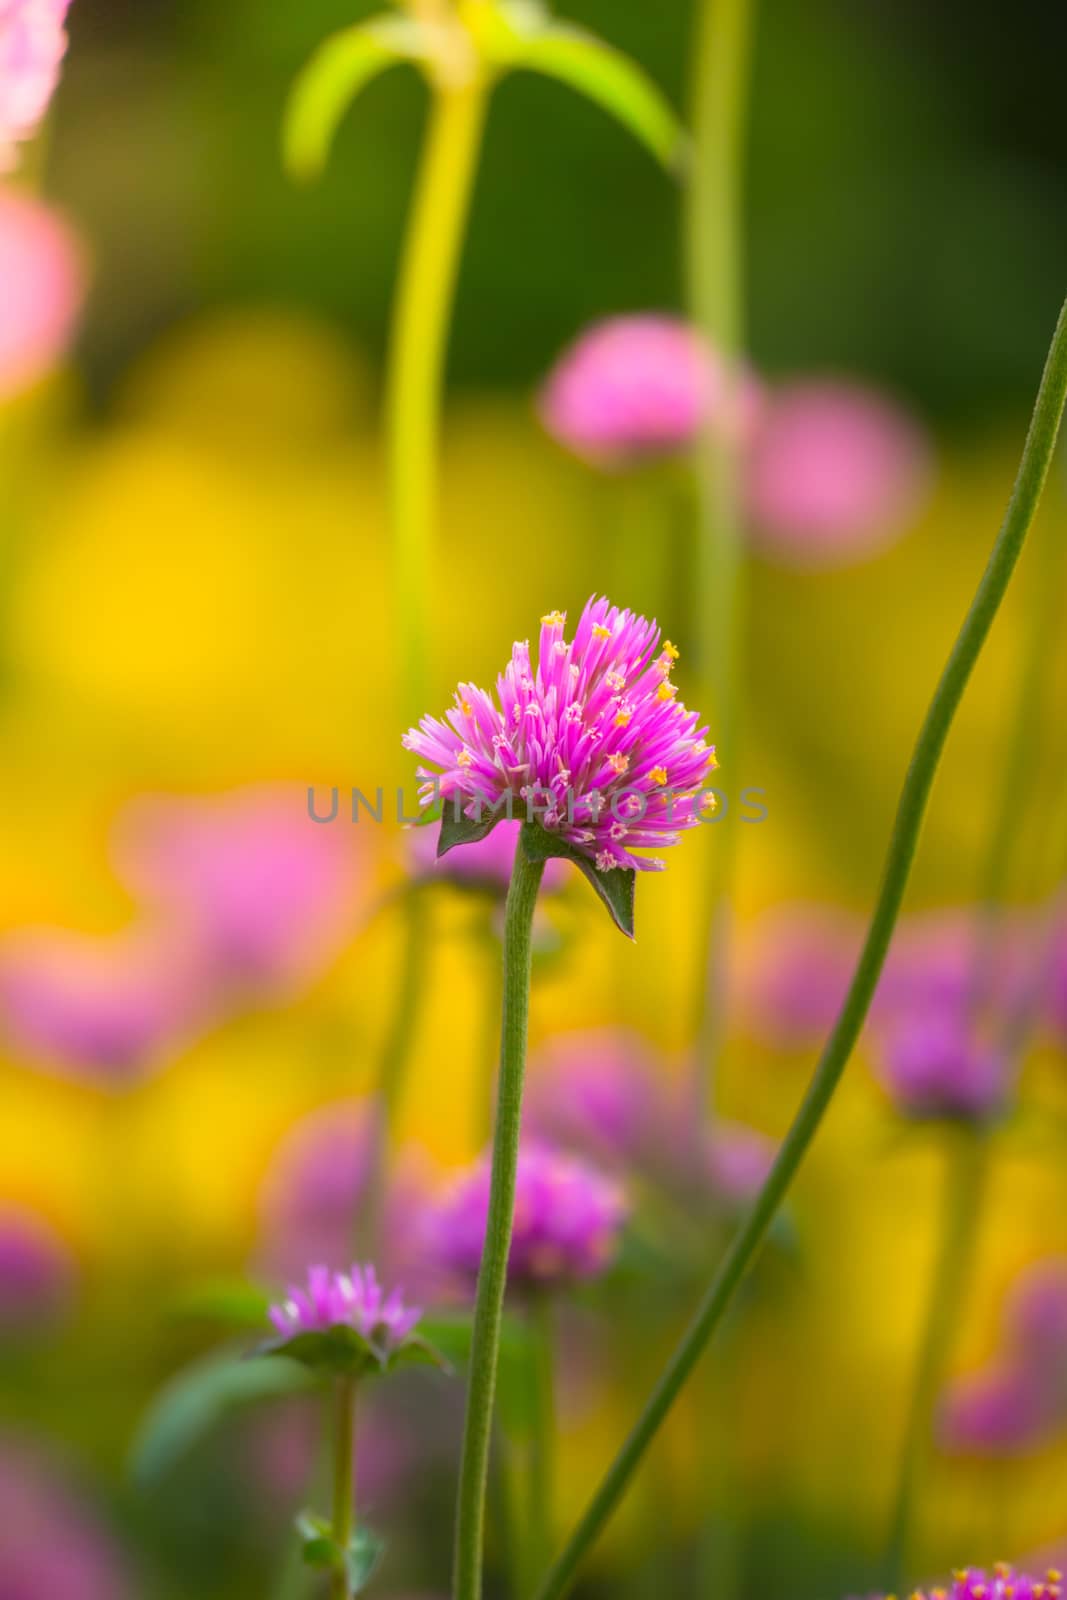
[[492, 1276], [344, 1402], [542, 1436], [1033, 470], [418, 349], [411, 989], [966, 1175], [722, 56]]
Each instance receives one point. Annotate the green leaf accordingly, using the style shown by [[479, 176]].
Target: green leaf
[[198, 1399], [317, 1545], [339, 1351], [364, 1555], [615, 888], [461, 829], [342, 66], [608, 78]]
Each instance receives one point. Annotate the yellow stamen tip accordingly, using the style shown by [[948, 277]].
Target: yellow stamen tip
[[666, 691], [622, 718], [671, 650], [659, 775], [554, 619], [600, 632]]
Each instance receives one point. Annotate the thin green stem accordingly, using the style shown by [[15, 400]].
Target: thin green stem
[[344, 1404], [1033, 470], [418, 348], [720, 92], [966, 1174], [492, 1276]]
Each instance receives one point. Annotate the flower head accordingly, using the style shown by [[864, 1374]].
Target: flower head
[[835, 471], [36, 1271], [266, 894], [737, 1160], [44, 283], [999, 1410], [638, 386], [593, 742], [352, 1299], [1002, 1583], [934, 1066], [33, 42], [596, 1093], [568, 1218], [1036, 1318]]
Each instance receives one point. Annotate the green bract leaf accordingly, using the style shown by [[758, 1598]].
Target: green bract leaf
[[364, 1554], [342, 65], [196, 1400], [608, 78], [317, 1546], [615, 888], [343, 1352], [462, 829]]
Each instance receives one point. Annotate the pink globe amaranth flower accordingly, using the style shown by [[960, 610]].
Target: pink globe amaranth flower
[[104, 1008], [52, 1542], [835, 471], [737, 1161], [42, 271], [36, 1271], [568, 1220], [594, 741], [934, 1066], [1002, 1583], [598, 1093], [798, 960], [486, 862], [643, 385], [1000, 1410], [316, 1188], [1036, 1320], [267, 895], [33, 42], [353, 1299]]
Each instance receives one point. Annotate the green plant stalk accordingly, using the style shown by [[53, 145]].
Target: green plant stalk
[[720, 92], [966, 1176], [911, 809], [344, 1402], [418, 347], [492, 1275]]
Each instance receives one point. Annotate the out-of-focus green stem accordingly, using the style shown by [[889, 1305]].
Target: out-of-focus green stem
[[911, 809], [492, 1276], [720, 88], [543, 1436], [343, 1480], [966, 1174], [418, 346]]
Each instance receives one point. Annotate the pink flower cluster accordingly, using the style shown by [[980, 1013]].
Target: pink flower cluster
[[43, 275], [33, 42], [1002, 1583], [593, 740], [352, 1299]]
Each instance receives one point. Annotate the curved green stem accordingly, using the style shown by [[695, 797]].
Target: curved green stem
[[722, 59], [911, 810], [966, 1173], [492, 1276], [343, 1480], [418, 347]]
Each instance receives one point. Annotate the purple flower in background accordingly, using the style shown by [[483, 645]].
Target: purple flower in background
[[1036, 1319], [835, 472], [998, 1411], [638, 386], [1002, 1583], [352, 1299], [594, 740], [106, 1008], [568, 1220], [279, 1448], [52, 1544], [737, 1160], [598, 1093], [934, 1066], [797, 966], [36, 1271], [485, 863], [33, 42], [43, 275], [317, 1185], [266, 894]]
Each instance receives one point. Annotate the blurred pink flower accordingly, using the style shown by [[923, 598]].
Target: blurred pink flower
[[1036, 1318], [42, 271], [568, 1220], [316, 1186], [266, 895], [486, 863], [933, 1065], [599, 1093], [998, 1411], [106, 1008], [737, 1161], [280, 1449], [350, 1299], [641, 385], [52, 1544], [797, 963], [36, 1271], [835, 472], [33, 42]]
